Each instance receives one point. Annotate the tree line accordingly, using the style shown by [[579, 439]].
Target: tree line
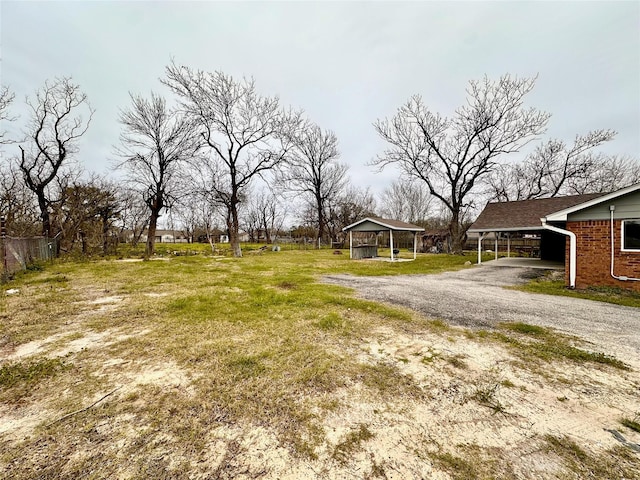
[[228, 156]]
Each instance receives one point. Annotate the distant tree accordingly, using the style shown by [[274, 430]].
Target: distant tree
[[314, 172], [352, 205], [55, 126], [555, 168], [155, 144], [264, 213], [453, 155], [407, 200], [248, 134], [86, 212], [17, 203], [134, 214]]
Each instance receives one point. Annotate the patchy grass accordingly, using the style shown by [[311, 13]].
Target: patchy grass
[[12, 374], [19, 379], [618, 463], [616, 296], [254, 338], [532, 341], [486, 394], [351, 443], [204, 350], [631, 424]]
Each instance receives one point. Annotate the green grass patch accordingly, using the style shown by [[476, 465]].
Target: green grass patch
[[618, 463], [532, 341], [352, 442], [617, 296], [15, 373], [631, 424], [458, 467]]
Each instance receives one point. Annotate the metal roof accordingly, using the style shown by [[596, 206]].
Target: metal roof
[[385, 224]]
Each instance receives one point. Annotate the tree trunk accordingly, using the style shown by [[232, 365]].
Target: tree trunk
[[320, 219], [105, 236], [83, 240], [151, 234], [44, 214], [457, 234], [233, 226]]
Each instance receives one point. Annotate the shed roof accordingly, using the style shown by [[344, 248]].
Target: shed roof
[[375, 224], [524, 214]]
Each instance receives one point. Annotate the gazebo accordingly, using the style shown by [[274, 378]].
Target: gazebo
[[379, 225]]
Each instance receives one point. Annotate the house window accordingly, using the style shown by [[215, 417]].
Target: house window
[[631, 235]]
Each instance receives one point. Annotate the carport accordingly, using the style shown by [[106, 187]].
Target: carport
[[378, 225], [525, 217]]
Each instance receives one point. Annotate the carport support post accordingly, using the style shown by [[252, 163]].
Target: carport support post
[[350, 244], [480, 237], [508, 245], [496, 243], [415, 244], [391, 243]]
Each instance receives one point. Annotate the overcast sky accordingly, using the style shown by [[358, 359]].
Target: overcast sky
[[344, 63]]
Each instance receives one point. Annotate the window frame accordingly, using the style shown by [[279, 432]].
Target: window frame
[[622, 246]]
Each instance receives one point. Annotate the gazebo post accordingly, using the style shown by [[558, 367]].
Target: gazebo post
[[508, 245], [391, 243], [496, 243], [480, 237], [415, 244]]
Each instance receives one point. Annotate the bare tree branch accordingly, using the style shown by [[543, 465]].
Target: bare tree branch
[[247, 134], [451, 155], [56, 124], [314, 171], [155, 145]]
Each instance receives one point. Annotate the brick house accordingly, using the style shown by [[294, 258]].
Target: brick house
[[596, 236]]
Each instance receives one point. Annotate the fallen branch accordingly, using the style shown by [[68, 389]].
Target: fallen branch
[[64, 417]]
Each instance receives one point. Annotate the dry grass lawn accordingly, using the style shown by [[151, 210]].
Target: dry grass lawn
[[206, 367]]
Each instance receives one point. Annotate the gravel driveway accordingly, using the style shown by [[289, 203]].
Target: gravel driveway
[[475, 298]]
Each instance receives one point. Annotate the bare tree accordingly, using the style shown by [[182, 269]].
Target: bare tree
[[555, 168], [407, 200], [352, 205], [56, 124], [6, 98], [17, 203], [314, 171], [155, 144], [134, 214], [452, 155], [611, 173], [265, 213], [247, 134]]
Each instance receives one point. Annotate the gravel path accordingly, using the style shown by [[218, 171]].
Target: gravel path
[[475, 298]]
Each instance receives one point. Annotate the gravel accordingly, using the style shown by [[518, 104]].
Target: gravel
[[476, 298]]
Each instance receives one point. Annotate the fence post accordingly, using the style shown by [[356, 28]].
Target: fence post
[[4, 275]]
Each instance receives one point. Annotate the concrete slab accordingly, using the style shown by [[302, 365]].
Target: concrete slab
[[525, 262]]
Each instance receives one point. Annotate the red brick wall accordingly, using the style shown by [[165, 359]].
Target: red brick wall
[[593, 265]]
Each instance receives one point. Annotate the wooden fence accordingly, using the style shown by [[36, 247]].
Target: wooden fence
[[18, 253]]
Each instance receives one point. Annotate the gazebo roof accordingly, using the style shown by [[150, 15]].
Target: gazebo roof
[[376, 224]]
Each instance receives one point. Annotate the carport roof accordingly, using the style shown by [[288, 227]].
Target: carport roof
[[524, 215]]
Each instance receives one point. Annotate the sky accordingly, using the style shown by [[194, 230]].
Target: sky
[[345, 64]]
